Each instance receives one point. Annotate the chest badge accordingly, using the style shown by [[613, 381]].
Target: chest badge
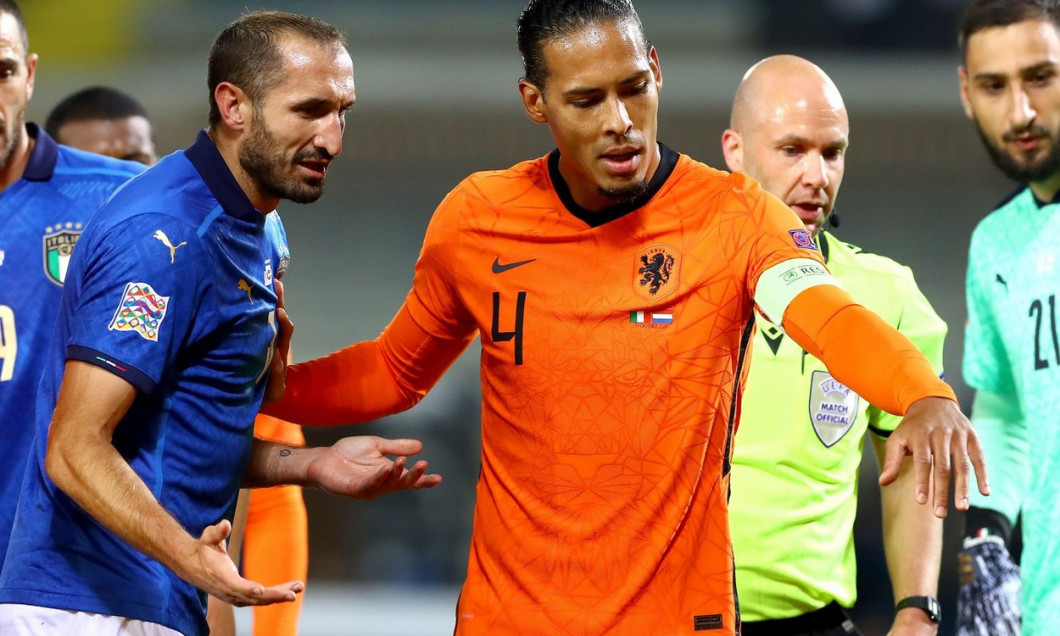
[[833, 407], [59, 244], [655, 271]]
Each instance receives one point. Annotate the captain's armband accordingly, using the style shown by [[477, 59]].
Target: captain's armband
[[781, 283]]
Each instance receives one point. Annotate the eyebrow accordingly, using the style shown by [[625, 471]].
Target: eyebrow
[[585, 90], [1023, 72], [787, 140]]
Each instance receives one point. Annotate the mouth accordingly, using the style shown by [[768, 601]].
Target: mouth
[[622, 161], [811, 213], [1028, 139], [315, 168]]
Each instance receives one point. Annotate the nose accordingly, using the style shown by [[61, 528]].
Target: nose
[[329, 138], [618, 119], [1023, 112], [815, 172]]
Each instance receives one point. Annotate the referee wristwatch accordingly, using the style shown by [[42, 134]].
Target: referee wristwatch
[[929, 604]]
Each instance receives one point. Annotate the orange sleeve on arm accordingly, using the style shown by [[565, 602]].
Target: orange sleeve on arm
[[861, 350], [369, 379]]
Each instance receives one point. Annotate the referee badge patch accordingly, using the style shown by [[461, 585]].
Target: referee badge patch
[[141, 310], [833, 407]]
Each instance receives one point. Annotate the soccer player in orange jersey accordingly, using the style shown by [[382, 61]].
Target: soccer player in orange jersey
[[611, 284]]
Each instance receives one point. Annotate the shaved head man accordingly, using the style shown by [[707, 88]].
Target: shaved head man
[[794, 494], [789, 131]]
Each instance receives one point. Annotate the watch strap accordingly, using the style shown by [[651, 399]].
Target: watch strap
[[929, 604]]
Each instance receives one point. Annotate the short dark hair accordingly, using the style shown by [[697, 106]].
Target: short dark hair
[[95, 102], [986, 14], [246, 52], [11, 7], [545, 20]]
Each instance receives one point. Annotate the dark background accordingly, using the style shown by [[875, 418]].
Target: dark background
[[436, 88]]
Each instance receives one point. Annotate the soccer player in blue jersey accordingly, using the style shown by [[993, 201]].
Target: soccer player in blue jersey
[[1010, 87], [105, 121], [47, 193], [169, 329]]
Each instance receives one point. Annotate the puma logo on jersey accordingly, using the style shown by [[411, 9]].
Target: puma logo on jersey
[[999, 279], [160, 235], [245, 286]]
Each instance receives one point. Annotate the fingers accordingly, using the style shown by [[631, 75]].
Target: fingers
[[961, 471], [895, 451], [398, 446], [941, 458], [216, 534], [975, 455], [251, 593]]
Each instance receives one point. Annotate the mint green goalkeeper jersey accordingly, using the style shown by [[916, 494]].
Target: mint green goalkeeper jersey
[[799, 446], [1012, 359]]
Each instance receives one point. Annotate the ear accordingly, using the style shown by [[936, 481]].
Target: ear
[[966, 101], [533, 101], [234, 105], [31, 74], [732, 148], [656, 70]]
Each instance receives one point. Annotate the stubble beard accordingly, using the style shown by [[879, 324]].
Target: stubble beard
[[14, 136], [625, 193], [271, 170], [1042, 169]]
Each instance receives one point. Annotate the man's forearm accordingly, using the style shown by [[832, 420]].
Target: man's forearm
[[83, 463], [368, 380], [274, 464], [912, 536], [94, 475]]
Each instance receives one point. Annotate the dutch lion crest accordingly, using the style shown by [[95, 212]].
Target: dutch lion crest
[[656, 269]]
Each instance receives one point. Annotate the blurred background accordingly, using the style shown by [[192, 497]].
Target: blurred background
[[436, 100]]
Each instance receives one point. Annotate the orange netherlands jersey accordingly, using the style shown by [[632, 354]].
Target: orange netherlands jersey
[[611, 352]]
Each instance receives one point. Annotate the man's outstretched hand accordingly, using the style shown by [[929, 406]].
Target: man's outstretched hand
[[359, 467], [208, 567], [941, 440]]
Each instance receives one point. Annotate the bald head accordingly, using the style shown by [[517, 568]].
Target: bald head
[[781, 83], [788, 130]]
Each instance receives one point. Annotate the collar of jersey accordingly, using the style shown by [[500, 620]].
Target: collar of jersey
[[41, 164], [204, 155], [667, 162]]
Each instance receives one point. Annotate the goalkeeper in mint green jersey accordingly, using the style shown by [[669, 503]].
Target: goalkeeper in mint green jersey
[[797, 452], [1010, 87]]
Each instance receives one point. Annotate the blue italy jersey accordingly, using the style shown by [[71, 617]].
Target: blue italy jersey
[[41, 218], [170, 288]]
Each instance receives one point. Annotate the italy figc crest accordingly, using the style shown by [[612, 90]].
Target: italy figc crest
[[59, 244]]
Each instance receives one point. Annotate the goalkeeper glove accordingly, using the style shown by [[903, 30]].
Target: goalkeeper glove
[[988, 597]]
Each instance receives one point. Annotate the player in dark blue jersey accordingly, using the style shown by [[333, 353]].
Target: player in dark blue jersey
[[47, 193], [169, 327]]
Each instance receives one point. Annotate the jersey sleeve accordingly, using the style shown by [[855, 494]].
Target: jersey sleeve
[[1002, 432], [434, 301], [138, 297], [783, 259], [985, 364], [925, 328], [379, 377]]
